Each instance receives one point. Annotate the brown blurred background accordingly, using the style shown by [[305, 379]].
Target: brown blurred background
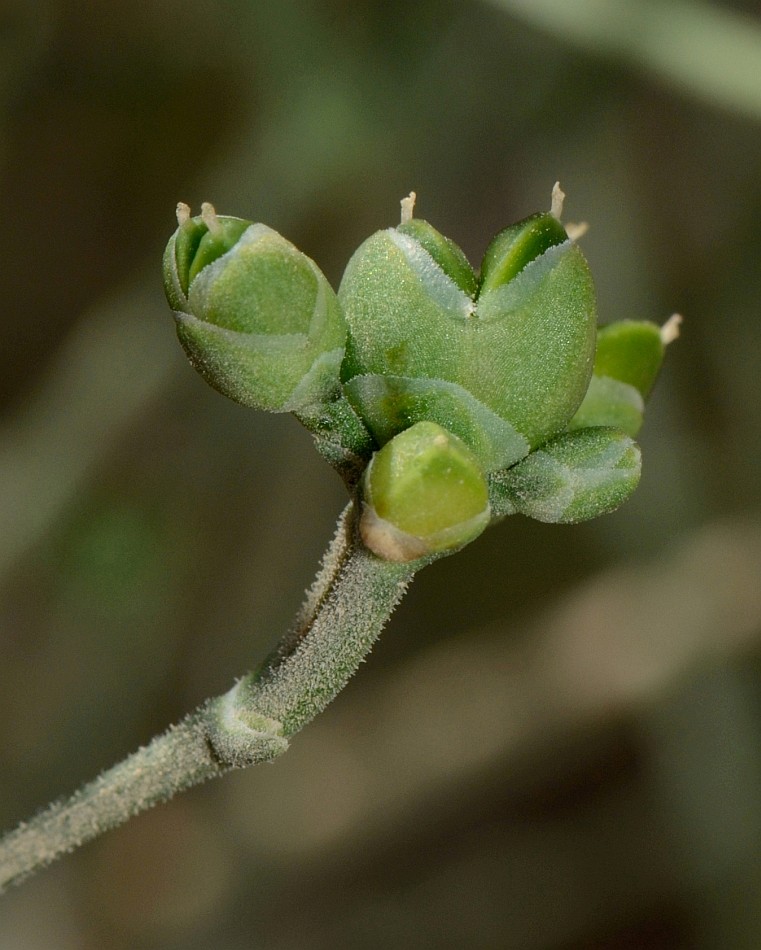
[[557, 743]]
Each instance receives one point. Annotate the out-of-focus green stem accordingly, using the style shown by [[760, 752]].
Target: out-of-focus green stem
[[708, 51], [103, 377], [353, 596]]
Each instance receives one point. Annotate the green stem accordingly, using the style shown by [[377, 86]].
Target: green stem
[[353, 596]]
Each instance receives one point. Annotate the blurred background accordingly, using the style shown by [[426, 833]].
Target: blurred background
[[556, 744]]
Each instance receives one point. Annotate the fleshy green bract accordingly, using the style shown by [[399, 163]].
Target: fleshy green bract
[[522, 348]]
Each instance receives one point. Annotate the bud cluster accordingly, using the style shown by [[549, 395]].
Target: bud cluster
[[446, 398]]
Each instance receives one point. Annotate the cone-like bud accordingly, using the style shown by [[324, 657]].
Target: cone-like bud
[[520, 345], [575, 476], [424, 493], [628, 358], [256, 317]]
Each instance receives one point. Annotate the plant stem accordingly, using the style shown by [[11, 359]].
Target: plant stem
[[345, 610]]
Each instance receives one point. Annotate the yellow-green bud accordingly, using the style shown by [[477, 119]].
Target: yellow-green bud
[[424, 493], [257, 318]]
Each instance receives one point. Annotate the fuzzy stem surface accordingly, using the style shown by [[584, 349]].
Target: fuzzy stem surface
[[344, 612]]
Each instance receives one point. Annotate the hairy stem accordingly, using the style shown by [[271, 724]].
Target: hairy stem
[[344, 612]]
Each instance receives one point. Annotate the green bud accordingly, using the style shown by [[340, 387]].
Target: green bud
[[515, 247], [424, 493], [631, 351], [522, 346], [574, 477], [194, 245], [445, 253], [212, 245], [628, 358], [255, 316]]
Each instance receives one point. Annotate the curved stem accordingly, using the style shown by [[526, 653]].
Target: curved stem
[[178, 759], [330, 568], [353, 596]]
